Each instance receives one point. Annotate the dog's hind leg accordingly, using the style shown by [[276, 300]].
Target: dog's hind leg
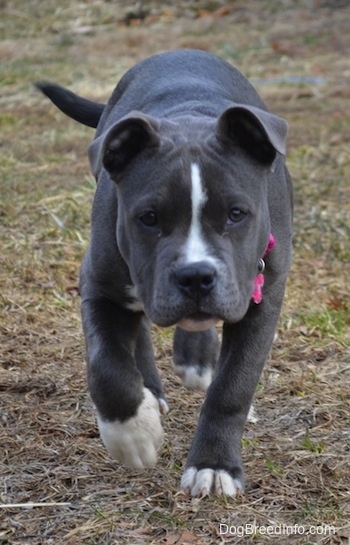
[[195, 356]]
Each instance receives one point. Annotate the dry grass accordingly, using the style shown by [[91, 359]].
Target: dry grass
[[57, 483]]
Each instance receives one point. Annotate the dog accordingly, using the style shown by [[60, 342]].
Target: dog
[[191, 225]]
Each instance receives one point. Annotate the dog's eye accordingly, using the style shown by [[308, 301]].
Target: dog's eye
[[236, 215], [149, 219]]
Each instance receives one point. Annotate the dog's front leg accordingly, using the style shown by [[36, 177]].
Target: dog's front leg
[[144, 357], [127, 411], [214, 462]]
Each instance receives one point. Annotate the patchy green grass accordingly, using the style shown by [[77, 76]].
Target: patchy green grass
[[297, 455], [329, 322]]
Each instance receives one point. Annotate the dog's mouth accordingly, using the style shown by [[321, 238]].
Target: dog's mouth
[[198, 321]]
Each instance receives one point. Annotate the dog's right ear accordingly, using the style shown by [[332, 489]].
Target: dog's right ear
[[115, 148]]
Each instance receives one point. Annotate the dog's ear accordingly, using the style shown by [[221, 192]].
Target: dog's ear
[[259, 133], [116, 147]]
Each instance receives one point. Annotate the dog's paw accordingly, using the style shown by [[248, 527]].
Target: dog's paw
[[135, 441], [194, 377], [203, 482]]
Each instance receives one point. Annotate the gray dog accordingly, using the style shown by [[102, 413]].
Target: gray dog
[[191, 224]]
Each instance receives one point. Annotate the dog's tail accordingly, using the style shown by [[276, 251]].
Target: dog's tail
[[82, 110]]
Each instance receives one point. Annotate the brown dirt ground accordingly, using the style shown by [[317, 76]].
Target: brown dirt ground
[[57, 484]]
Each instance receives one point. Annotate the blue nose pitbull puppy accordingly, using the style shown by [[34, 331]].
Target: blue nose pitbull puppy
[[193, 201]]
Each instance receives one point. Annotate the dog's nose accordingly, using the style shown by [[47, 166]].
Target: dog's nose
[[197, 279]]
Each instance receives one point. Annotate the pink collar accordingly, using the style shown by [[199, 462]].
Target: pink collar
[[259, 279]]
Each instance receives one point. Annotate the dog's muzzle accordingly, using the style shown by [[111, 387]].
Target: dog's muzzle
[[196, 281]]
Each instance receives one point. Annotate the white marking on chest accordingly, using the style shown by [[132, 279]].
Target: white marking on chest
[[195, 248]]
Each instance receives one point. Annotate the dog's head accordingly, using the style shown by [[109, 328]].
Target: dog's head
[[193, 213]]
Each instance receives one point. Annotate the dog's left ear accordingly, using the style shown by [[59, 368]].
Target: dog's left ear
[[116, 147], [258, 132]]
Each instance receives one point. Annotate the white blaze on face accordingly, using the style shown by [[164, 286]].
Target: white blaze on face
[[195, 247]]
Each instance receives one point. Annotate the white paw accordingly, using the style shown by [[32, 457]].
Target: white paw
[[209, 481], [135, 441], [194, 377]]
